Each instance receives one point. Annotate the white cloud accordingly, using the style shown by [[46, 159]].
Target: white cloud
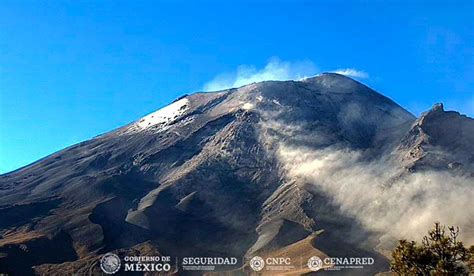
[[275, 69], [351, 72]]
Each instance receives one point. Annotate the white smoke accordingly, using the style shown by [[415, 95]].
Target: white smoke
[[405, 207], [351, 72], [275, 69]]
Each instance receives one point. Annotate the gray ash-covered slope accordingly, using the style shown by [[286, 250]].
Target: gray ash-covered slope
[[202, 177], [441, 140]]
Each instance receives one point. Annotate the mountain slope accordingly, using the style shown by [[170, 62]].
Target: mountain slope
[[442, 140], [208, 175]]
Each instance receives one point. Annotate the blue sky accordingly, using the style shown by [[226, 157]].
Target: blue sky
[[70, 70]]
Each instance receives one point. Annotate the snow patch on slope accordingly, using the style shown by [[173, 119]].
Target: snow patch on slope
[[163, 116]]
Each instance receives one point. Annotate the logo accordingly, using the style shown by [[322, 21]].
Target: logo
[[110, 263], [257, 263], [315, 263], [208, 263], [338, 263], [147, 263]]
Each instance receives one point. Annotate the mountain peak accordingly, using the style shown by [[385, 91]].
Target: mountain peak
[[436, 110], [437, 115], [210, 168], [441, 138], [330, 76], [438, 107]]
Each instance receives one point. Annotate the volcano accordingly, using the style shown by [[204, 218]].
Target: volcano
[[243, 172]]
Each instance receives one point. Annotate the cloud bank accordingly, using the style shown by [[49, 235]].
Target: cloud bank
[[275, 69], [351, 72]]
